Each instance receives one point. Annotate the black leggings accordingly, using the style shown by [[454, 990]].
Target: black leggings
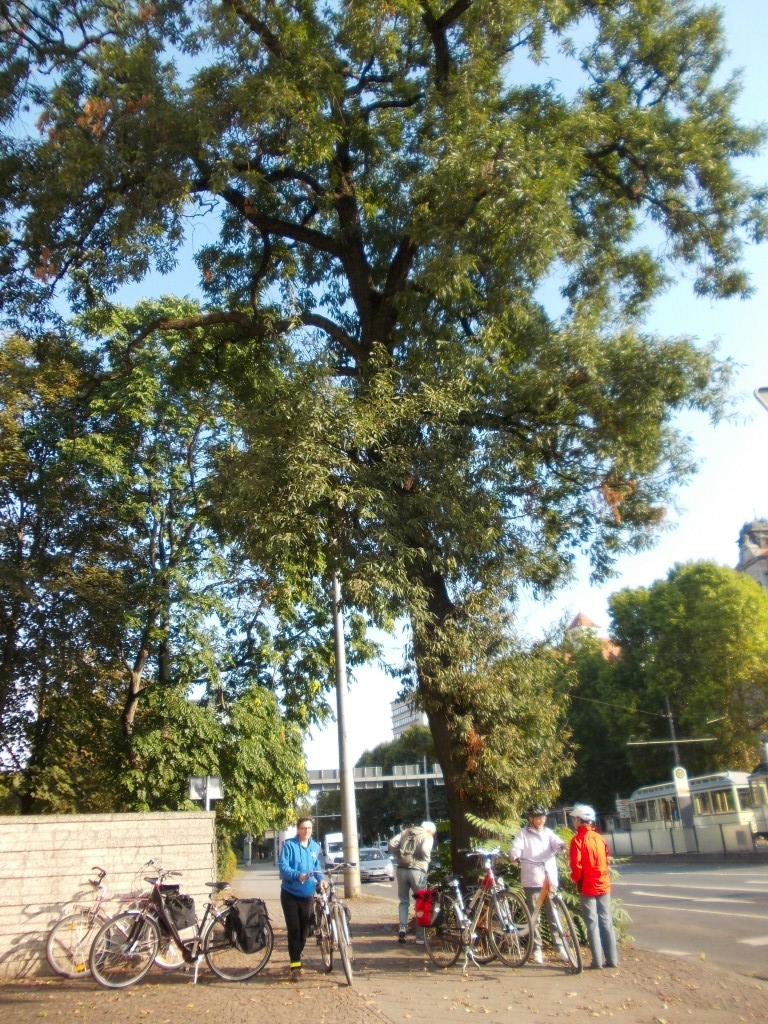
[[297, 911]]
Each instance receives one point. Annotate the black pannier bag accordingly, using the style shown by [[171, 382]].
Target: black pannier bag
[[181, 909], [247, 925]]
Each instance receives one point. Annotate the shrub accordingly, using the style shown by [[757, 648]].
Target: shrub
[[226, 861]]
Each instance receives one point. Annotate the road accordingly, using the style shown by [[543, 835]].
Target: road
[[716, 913], [713, 912]]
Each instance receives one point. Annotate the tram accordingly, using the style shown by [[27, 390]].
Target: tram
[[758, 784], [721, 798]]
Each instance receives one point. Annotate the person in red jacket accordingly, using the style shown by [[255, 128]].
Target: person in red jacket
[[589, 870]]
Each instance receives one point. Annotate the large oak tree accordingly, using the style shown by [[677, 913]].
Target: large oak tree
[[399, 216]]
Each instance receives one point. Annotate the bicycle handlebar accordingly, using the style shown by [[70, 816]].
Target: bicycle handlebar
[[161, 875]]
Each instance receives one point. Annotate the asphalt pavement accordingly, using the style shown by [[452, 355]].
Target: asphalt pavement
[[398, 984]]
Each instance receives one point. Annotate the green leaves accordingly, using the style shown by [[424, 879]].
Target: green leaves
[[696, 639], [425, 268]]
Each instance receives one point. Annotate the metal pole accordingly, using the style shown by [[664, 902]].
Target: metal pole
[[346, 770], [426, 789], [675, 751]]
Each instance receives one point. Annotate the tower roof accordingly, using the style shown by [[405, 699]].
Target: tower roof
[[582, 622]]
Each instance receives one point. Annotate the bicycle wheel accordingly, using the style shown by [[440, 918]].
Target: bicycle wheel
[[169, 957], [226, 959], [510, 930], [483, 950], [325, 941], [569, 937], [69, 943], [443, 944], [123, 950], [345, 944]]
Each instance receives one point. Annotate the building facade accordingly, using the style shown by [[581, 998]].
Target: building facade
[[753, 551], [404, 715]]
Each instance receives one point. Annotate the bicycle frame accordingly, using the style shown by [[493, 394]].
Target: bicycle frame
[[189, 947], [326, 898], [491, 924], [469, 914], [561, 922], [332, 936]]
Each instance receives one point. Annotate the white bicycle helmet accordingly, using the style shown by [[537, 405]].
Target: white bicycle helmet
[[584, 813]]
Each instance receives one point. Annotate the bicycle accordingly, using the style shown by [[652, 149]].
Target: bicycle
[[331, 924], [69, 941], [495, 923], [126, 945], [561, 922]]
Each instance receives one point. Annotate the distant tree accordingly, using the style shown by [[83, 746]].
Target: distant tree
[[443, 256], [700, 639], [600, 720]]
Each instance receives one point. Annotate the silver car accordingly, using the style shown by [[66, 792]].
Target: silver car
[[375, 866]]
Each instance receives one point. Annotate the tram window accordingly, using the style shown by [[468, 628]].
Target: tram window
[[653, 810], [642, 811], [745, 798], [702, 803], [759, 794], [722, 801]]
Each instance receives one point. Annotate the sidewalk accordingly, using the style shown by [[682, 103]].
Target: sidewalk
[[397, 984]]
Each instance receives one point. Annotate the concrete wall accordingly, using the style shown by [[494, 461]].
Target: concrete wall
[[45, 859]]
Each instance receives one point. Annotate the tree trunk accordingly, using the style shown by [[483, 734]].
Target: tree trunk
[[438, 710]]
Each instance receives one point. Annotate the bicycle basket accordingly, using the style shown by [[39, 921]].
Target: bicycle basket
[[246, 925], [180, 909], [429, 908]]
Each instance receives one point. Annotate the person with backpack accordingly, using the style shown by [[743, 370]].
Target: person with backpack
[[412, 850], [300, 872], [589, 857]]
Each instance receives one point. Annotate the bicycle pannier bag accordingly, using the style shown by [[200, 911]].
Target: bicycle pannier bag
[[246, 925], [428, 907], [406, 853], [181, 909]]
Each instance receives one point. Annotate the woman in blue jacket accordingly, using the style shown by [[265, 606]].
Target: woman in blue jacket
[[300, 871]]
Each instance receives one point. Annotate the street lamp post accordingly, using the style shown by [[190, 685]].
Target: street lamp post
[[346, 771]]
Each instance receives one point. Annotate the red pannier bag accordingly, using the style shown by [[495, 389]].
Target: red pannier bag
[[428, 908]]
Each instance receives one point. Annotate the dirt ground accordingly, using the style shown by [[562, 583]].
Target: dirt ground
[[398, 984]]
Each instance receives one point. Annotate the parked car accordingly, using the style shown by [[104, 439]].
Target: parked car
[[375, 865]]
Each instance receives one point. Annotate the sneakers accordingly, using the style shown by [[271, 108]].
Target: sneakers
[[538, 956], [420, 942], [296, 973], [561, 954], [401, 935]]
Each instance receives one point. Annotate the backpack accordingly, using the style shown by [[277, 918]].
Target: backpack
[[428, 908], [410, 843], [246, 925]]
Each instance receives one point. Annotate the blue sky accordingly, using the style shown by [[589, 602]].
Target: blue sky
[[731, 486]]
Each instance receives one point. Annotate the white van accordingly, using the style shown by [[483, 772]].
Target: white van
[[333, 848]]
